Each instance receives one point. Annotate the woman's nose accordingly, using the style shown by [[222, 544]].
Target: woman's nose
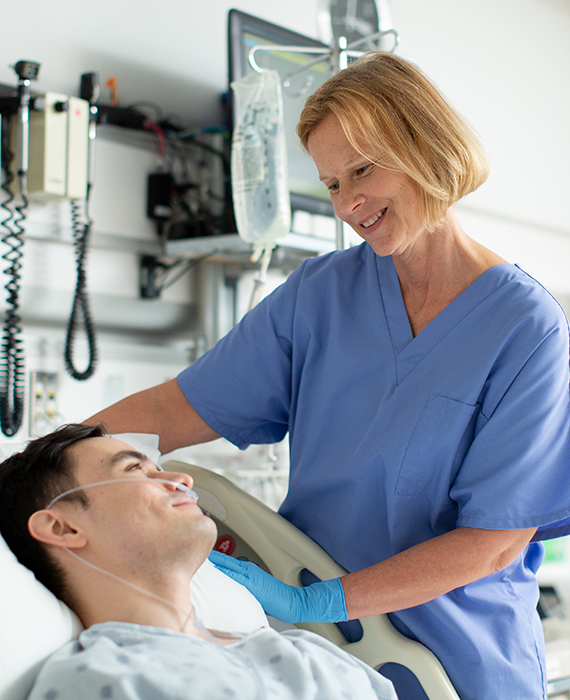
[[348, 202]]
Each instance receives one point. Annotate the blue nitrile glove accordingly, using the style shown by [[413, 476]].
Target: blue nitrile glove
[[320, 602]]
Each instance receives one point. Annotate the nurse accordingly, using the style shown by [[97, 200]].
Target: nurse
[[424, 384]]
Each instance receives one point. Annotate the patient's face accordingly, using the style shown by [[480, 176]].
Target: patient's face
[[139, 522]]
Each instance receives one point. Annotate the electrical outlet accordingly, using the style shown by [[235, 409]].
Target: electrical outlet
[[44, 413]]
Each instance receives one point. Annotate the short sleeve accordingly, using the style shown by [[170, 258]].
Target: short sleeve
[[514, 474], [242, 386]]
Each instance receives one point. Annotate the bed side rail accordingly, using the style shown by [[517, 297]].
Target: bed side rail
[[248, 528]]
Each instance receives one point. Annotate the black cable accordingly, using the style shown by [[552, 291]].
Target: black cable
[[12, 365], [80, 308], [147, 103], [193, 140]]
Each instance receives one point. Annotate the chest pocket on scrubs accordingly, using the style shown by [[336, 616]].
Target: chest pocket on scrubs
[[438, 444]]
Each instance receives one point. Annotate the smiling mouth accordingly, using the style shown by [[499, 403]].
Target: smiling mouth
[[374, 218], [185, 501]]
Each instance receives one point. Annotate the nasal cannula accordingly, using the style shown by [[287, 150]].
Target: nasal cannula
[[179, 486]]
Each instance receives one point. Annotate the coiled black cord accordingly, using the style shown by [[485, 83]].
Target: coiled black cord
[[80, 312], [12, 365]]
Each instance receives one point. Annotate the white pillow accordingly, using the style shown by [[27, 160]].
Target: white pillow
[[224, 604], [34, 623]]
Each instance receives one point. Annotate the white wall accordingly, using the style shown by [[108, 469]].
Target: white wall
[[504, 63], [173, 53]]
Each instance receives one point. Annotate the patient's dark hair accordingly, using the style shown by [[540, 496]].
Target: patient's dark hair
[[29, 481]]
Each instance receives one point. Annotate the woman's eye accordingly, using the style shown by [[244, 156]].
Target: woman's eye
[[333, 188], [361, 170]]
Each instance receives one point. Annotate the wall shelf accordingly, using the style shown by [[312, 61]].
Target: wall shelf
[[231, 248]]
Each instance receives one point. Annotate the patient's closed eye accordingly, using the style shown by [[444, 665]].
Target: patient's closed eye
[[147, 467], [132, 467]]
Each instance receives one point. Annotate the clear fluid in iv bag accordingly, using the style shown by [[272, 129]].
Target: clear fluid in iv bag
[[259, 167], [260, 202]]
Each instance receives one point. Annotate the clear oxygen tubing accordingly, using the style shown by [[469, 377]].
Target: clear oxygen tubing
[[178, 485], [188, 617]]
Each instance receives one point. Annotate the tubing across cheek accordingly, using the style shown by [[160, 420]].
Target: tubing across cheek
[[179, 487]]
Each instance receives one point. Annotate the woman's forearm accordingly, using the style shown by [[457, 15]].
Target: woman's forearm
[[430, 569], [163, 410]]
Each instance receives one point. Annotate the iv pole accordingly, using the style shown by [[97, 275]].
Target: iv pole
[[337, 55]]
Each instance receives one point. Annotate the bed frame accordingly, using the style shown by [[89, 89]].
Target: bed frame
[[248, 528]]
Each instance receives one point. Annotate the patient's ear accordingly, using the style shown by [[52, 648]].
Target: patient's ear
[[49, 527]]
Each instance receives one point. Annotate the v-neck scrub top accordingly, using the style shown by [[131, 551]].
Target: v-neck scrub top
[[395, 439]]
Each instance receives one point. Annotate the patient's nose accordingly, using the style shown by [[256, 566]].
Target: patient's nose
[[179, 477]]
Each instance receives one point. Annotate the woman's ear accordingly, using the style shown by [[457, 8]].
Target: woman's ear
[[50, 528]]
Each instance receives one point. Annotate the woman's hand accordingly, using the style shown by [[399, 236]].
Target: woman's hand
[[319, 602]]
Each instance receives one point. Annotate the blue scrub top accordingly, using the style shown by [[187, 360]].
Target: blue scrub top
[[395, 439]]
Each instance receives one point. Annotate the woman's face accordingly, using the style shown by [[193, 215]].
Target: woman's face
[[381, 205]]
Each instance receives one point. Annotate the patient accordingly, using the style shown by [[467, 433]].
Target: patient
[[121, 555]]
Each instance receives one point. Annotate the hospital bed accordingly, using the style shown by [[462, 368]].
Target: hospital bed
[[247, 528]]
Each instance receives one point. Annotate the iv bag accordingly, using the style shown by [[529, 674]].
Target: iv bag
[[259, 161]]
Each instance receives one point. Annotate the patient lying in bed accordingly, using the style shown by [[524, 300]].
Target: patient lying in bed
[[122, 554]]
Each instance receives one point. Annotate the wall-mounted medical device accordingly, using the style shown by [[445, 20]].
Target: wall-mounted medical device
[[58, 146], [45, 153]]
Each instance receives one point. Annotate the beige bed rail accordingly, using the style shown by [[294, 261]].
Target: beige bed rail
[[248, 528]]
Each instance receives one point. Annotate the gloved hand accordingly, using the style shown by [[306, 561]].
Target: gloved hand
[[320, 602]]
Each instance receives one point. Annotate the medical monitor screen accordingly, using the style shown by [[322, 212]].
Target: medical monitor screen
[[245, 32]]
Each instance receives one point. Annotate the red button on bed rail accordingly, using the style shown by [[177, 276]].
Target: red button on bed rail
[[225, 544]]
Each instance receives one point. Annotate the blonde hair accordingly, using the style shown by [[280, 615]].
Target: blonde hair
[[394, 116]]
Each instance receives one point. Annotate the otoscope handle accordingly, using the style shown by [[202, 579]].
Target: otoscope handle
[[26, 71]]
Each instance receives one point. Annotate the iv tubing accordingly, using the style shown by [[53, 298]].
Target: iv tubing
[[260, 279]]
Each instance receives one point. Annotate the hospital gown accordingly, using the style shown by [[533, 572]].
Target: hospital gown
[[122, 661], [396, 439]]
